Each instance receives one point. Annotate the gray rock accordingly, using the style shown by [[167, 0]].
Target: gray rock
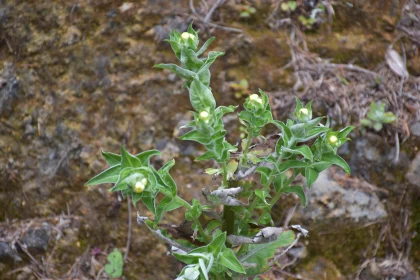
[[413, 174], [7, 253], [329, 200], [415, 129], [36, 240]]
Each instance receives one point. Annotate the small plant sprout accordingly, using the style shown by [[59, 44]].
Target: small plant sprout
[[241, 241], [377, 117]]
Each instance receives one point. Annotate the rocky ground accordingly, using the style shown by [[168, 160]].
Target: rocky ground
[[76, 77]]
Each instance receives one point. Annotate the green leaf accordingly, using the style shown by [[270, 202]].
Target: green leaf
[[291, 164], [256, 260], [115, 266], [145, 156], [228, 259], [195, 135], [128, 160], [297, 190], [217, 244], [345, 131], [337, 160], [109, 175], [265, 174], [167, 179], [311, 175], [201, 97], [183, 73], [165, 205], [205, 46], [262, 194], [321, 166], [195, 210], [303, 150], [111, 158], [148, 199]]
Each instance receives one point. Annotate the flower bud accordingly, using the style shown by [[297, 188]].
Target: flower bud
[[185, 35], [255, 98], [140, 185], [304, 111], [205, 116], [333, 139]]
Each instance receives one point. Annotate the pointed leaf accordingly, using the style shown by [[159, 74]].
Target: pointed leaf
[[183, 73], [109, 175], [145, 156], [337, 160], [311, 175], [111, 158], [128, 160], [303, 150], [297, 190], [229, 260], [201, 97]]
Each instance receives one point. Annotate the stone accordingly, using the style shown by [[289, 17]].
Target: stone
[[415, 129], [327, 199], [7, 253], [413, 174], [36, 240]]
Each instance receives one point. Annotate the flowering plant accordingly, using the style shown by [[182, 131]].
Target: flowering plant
[[242, 241]]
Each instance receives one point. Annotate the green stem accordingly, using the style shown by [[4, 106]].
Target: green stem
[[201, 230], [248, 142], [229, 216], [225, 173]]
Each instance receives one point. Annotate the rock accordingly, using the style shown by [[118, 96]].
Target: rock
[[413, 174], [415, 129], [327, 199], [7, 253], [36, 240], [9, 88]]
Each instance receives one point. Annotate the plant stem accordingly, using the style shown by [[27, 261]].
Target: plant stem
[[248, 142], [225, 173], [229, 216], [201, 230]]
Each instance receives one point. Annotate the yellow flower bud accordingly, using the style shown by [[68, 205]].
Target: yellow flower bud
[[205, 116], [185, 35], [333, 139], [255, 98], [140, 185], [304, 111]]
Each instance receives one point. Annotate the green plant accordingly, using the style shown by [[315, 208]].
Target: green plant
[[241, 89], [289, 6], [308, 22], [377, 117], [242, 241], [115, 266], [247, 11]]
